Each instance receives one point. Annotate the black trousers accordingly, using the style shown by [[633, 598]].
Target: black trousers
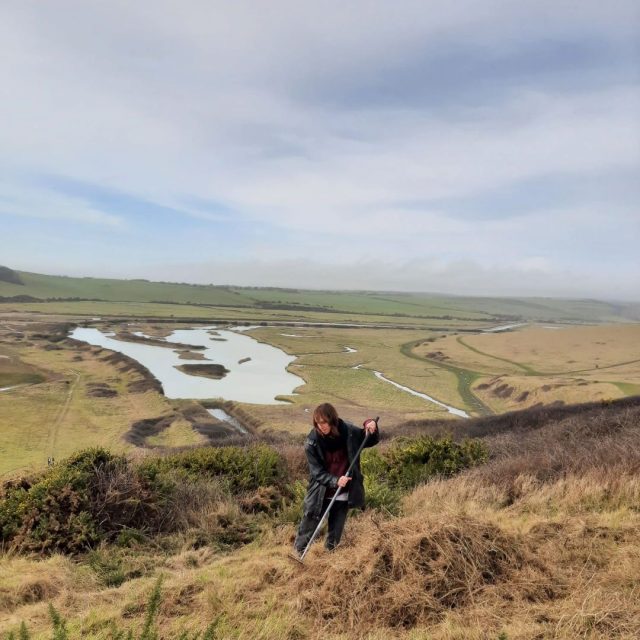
[[336, 520]]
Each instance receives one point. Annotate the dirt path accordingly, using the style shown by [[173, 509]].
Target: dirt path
[[526, 368], [54, 429]]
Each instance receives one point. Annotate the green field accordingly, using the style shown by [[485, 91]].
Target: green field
[[69, 295]]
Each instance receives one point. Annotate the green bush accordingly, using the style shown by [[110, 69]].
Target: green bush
[[380, 494], [90, 497], [414, 462], [409, 462], [242, 468], [291, 508], [53, 512], [95, 497]]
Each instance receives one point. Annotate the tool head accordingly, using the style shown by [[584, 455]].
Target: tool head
[[296, 557]]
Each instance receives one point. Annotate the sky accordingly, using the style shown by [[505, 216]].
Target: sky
[[473, 148]]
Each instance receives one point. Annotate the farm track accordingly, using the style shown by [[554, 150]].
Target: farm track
[[54, 430], [530, 371]]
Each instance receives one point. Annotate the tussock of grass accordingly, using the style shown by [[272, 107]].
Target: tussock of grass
[[405, 572]]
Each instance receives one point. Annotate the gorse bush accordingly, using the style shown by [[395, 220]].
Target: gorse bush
[[414, 461], [242, 468], [90, 497], [409, 462], [95, 496], [53, 512]]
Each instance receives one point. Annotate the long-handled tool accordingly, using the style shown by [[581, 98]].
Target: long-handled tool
[[325, 515]]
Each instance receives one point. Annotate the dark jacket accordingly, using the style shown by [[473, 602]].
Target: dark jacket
[[320, 479]]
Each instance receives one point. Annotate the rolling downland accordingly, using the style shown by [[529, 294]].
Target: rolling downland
[[25, 288]]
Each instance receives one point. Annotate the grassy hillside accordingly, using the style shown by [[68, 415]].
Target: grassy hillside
[[536, 364], [428, 307], [537, 540]]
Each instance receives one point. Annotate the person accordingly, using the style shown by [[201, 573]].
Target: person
[[330, 448]]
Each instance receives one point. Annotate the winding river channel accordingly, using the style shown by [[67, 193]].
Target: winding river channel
[[257, 371]]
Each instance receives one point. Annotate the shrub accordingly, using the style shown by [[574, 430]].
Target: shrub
[[53, 512], [291, 508], [95, 496], [242, 469], [409, 462], [380, 494], [70, 508]]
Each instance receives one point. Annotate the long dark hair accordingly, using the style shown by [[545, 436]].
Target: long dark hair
[[326, 413]]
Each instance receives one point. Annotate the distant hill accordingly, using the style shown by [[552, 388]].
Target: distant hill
[[10, 276], [396, 305]]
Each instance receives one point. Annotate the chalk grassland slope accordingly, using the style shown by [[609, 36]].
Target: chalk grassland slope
[[534, 365], [86, 401], [298, 303], [540, 542], [44, 286]]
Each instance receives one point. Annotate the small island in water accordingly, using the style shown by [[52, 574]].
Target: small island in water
[[214, 371]]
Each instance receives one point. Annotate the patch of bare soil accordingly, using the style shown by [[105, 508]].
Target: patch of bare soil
[[213, 371], [191, 355]]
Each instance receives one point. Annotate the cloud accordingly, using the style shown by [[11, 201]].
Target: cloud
[[31, 202], [461, 132]]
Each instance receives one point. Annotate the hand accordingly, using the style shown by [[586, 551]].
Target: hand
[[343, 480], [370, 426]]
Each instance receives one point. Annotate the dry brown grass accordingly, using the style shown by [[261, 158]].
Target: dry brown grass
[[543, 542], [410, 571]]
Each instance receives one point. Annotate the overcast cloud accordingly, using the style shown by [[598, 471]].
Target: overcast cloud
[[488, 148]]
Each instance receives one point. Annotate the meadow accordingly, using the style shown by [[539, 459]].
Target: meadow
[[538, 364]]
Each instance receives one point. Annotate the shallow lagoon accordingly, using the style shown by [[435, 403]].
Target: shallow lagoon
[[258, 380]]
